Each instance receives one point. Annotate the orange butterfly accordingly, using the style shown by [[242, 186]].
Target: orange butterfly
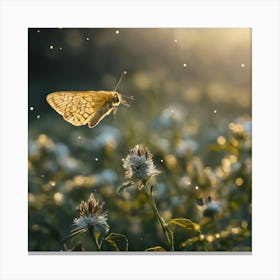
[[86, 107]]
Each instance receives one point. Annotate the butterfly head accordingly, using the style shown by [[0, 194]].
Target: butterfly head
[[118, 99]]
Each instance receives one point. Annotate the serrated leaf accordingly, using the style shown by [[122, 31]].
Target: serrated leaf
[[155, 249], [118, 241]]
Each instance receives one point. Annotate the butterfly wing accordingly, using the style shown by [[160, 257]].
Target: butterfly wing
[[99, 114], [78, 107]]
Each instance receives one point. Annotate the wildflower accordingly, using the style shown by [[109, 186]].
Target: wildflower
[[91, 216], [139, 166]]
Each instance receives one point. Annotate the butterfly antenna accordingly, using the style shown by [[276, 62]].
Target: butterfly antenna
[[118, 83]]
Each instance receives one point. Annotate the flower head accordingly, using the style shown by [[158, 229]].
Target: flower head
[[91, 216], [139, 166]]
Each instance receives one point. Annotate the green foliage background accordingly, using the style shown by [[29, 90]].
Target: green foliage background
[[192, 109]]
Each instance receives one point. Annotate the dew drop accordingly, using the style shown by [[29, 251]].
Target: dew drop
[[79, 137], [38, 30], [185, 65], [96, 159], [196, 187], [87, 38], [215, 111], [51, 47], [38, 117], [175, 41], [124, 72], [242, 65], [117, 32], [31, 108], [60, 48], [42, 176], [161, 160]]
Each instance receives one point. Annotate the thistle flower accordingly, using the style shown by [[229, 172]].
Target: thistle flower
[[139, 166], [91, 216]]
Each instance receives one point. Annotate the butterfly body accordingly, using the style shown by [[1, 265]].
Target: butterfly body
[[85, 107]]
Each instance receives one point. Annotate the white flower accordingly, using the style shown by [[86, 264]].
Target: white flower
[[139, 166], [91, 216]]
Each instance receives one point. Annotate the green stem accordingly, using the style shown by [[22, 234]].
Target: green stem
[[94, 239], [165, 228]]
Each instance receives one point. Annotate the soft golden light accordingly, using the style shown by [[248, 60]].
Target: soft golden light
[[171, 161], [239, 181], [210, 238], [221, 140], [58, 197]]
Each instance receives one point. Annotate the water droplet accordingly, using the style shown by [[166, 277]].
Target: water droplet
[[175, 41], [196, 187], [161, 160], [38, 116], [96, 159], [124, 72], [51, 47], [60, 48], [42, 176], [38, 31], [79, 137], [31, 108], [215, 111], [185, 65], [242, 65], [117, 32], [87, 38]]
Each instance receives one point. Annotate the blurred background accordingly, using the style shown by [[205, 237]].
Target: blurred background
[[191, 108]]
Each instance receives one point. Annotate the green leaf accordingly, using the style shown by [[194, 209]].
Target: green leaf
[[155, 249], [185, 224], [118, 241]]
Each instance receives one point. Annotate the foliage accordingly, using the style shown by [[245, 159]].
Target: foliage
[[195, 122]]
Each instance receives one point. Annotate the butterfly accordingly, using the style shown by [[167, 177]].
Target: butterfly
[[86, 107]]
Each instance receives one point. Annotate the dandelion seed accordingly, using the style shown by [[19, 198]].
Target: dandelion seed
[[51, 47], [91, 216], [31, 108], [139, 166], [117, 32]]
